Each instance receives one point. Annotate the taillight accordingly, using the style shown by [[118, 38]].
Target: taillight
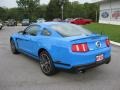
[[83, 47], [107, 42]]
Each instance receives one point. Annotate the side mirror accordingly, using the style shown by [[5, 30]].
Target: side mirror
[[22, 32]]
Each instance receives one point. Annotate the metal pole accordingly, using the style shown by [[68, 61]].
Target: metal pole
[[96, 15], [97, 12], [110, 10], [62, 8]]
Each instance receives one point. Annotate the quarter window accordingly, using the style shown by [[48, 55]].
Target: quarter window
[[45, 32], [32, 30]]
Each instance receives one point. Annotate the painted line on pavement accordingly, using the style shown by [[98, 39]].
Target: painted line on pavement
[[115, 43]]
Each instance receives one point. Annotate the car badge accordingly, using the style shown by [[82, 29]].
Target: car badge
[[98, 44]]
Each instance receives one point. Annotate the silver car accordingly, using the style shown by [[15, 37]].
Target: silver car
[[1, 25], [40, 20], [25, 22]]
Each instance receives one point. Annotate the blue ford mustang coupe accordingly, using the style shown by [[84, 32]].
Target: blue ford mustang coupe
[[62, 45]]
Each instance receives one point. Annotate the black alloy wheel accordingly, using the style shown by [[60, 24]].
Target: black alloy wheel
[[46, 64]]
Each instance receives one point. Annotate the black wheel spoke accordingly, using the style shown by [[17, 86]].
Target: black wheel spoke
[[12, 46], [47, 68], [45, 63]]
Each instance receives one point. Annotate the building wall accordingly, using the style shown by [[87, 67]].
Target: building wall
[[110, 12]]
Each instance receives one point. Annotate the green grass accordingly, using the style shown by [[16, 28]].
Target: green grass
[[112, 31]]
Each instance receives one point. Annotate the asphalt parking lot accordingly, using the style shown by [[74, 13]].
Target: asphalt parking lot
[[19, 72]]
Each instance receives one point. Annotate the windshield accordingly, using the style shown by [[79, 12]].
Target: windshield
[[68, 30]]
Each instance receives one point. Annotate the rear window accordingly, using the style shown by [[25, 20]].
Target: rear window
[[68, 30]]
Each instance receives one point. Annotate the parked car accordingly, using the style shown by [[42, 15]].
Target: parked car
[[80, 21], [68, 20], [25, 22], [89, 21], [62, 45], [11, 22], [1, 25], [57, 20], [40, 20], [5, 23]]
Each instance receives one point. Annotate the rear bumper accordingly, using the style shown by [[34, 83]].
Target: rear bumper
[[92, 65]]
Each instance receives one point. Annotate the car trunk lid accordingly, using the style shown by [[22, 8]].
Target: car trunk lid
[[93, 41]]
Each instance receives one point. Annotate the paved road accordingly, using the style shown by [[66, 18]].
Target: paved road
[[19, 72]]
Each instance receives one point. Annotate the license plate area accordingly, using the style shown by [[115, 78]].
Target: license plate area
[[99, 57]]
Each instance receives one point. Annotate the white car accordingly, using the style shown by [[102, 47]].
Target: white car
[[25, 22], [68, 20], [1, 25], [57, 20], [40, 20]]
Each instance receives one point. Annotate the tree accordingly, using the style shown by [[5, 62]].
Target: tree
[[67, 9], [29, 7], [28, 3], [41, 11], [3, 13], [77, 10], [90, 10], [33, 10], [53, 10]]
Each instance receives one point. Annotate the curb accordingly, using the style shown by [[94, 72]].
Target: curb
[[115, 43]]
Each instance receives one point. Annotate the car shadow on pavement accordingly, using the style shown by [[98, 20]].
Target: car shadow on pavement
[[89, 75]]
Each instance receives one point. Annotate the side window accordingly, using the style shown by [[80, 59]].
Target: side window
[[45, 32], [32, 30]]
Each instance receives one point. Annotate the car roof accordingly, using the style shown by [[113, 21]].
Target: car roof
[[47, 23]]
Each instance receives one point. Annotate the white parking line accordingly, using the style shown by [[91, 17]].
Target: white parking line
[[115, 43]]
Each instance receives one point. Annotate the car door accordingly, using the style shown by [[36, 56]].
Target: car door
[[36, 35], [33, 43], [22, 39], [28, 41]]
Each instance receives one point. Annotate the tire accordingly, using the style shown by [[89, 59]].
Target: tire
[[13, 47], [108, 62], [46, 64], [0, 27]]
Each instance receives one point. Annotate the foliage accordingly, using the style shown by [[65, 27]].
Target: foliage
[[72, 10], [3, 13], [33, 10], [53, 10], [29, 7]]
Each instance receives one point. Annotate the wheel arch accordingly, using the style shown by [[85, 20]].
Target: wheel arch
[[14, 40], [11, 38], [41, 49]]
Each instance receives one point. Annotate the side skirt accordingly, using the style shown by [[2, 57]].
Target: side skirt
[[29, 54]]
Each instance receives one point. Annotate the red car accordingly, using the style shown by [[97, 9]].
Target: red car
[[81, 21]]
